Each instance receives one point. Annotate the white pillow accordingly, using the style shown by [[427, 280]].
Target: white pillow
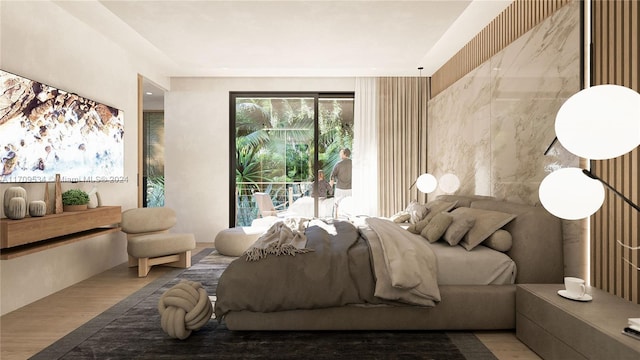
[[417, 211], [401, 217]]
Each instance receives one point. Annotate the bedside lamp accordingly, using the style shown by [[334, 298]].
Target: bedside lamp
[[449, 183], [599, 122], [568, 194], [426, 183]]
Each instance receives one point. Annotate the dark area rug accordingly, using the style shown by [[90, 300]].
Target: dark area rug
[[131, 330]]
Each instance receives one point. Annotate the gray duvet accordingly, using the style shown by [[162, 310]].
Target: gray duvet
[[377, 264]]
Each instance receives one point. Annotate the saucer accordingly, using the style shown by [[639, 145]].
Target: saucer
[[567, 295]]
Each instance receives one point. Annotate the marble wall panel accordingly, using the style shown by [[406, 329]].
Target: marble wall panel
[[530, 80], [492, 127], [459, 132]]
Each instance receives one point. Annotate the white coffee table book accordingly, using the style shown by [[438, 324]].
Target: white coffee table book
[[633, 328]]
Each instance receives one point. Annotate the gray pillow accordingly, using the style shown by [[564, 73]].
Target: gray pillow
[[487, 222], [419, 226], [436, 227], [437, 206], [460, 225], [500, 240], [417, 211]]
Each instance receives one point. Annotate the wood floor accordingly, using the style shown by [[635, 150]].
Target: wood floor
[[28, 330]]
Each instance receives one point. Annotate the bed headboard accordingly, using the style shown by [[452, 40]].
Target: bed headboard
[[537, 238]]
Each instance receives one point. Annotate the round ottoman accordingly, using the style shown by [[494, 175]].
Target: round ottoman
[[235, 241]]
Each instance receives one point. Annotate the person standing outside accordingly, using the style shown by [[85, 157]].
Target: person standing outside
[[341, 177], [323, 186]]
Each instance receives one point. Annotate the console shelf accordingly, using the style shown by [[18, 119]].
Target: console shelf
[[33, 234]]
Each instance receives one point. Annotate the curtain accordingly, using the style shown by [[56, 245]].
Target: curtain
[[365, 148], [402, 140]]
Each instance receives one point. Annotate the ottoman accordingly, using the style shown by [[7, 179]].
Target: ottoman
[[235, 241]]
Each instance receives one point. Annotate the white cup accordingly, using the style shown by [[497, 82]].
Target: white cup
[[575, 286]]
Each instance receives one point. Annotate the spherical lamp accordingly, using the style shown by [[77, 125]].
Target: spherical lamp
[[449, 183], [600, 122], [427, 183], [569, 194]]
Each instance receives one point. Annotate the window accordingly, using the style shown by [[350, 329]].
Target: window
[[273, 141]]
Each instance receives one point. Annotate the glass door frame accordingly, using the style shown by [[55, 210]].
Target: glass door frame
[[233, 95]]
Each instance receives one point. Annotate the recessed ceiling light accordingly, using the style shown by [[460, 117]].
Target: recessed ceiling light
[[149, 93]]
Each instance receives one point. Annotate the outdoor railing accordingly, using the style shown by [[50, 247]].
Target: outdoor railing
[[282, 194]]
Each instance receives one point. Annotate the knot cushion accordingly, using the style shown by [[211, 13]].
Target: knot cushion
[[184, 308], [235, 241]]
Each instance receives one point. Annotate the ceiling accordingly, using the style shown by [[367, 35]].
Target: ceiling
[[290, 38]]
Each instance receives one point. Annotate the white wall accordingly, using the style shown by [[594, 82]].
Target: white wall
[[197, 144], [41, 41]]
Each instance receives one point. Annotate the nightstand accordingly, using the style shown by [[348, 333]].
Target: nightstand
[[558, 328]]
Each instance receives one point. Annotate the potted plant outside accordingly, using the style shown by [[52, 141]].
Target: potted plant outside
[[74, 200]]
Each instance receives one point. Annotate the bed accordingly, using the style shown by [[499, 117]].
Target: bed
[[250, 296]]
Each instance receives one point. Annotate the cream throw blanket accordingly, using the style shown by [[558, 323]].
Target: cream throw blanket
[[284, 237], [404, 264]]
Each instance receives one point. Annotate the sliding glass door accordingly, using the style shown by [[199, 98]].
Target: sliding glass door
[[274, 137]]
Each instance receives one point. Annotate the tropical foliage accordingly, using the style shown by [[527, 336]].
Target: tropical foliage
[[153, 122], [274, 144], [155, 191]]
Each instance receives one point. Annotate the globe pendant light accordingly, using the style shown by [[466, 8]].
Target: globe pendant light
[[600, 122], [427, 183], [569, 194]]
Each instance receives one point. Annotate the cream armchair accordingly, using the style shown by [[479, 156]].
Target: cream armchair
[[149, 241]]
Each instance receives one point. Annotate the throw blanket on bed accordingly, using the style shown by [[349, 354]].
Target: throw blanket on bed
[[341, 270], [405, 266], [283, 238]]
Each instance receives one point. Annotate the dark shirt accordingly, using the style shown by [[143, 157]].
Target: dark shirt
[[324, 189], [342, 174]]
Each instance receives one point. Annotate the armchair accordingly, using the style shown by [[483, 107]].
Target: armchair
[[149, 241], [266, 207]]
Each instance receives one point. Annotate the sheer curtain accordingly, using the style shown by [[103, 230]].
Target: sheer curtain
[[389, 143], [402, 140], [365, 148]]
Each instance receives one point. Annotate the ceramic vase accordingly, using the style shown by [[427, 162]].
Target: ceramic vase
[[15, 209], [37, 208]]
